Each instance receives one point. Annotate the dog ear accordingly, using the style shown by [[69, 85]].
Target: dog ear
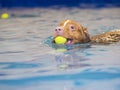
[[85, 34]]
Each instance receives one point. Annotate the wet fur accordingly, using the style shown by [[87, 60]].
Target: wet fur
[[80, 34]]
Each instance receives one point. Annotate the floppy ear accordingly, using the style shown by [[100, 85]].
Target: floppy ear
[[86, 36]]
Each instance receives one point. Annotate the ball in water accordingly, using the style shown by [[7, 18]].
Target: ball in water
[[5, 16], [60, 40]]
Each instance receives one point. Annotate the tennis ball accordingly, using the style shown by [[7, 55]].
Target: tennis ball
[[5, 16], [60, 40]]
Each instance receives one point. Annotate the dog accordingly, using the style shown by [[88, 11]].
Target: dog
[[75, 33]]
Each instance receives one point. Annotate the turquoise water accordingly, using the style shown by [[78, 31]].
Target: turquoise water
[[29, 62]]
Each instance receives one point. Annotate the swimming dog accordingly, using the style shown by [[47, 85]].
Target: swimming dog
[[75, 33]]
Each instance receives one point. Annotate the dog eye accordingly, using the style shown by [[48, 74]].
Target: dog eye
[[72, 27]]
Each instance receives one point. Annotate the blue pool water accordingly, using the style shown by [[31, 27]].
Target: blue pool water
[[29, 62]]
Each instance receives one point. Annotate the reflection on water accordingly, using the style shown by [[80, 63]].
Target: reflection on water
[[29, 62]]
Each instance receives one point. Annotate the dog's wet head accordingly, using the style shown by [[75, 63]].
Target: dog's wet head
[[72, 31]]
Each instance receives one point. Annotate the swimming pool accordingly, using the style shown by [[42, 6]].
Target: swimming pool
[[28, 62]]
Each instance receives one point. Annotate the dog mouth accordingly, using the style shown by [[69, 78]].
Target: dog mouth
[[69, 41]]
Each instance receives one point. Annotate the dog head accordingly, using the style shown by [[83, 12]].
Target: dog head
[[72, 31]]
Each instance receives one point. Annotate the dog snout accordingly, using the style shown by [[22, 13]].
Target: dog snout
[[59, 30]]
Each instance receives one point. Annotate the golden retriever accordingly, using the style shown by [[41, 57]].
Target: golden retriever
[[76, 33]]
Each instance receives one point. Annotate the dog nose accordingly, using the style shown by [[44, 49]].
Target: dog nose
[[59, 30]]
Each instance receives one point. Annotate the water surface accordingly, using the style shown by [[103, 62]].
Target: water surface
[[27, 62]]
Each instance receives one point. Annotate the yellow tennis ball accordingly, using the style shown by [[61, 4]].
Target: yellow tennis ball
[[60, 40], [5, 16]]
